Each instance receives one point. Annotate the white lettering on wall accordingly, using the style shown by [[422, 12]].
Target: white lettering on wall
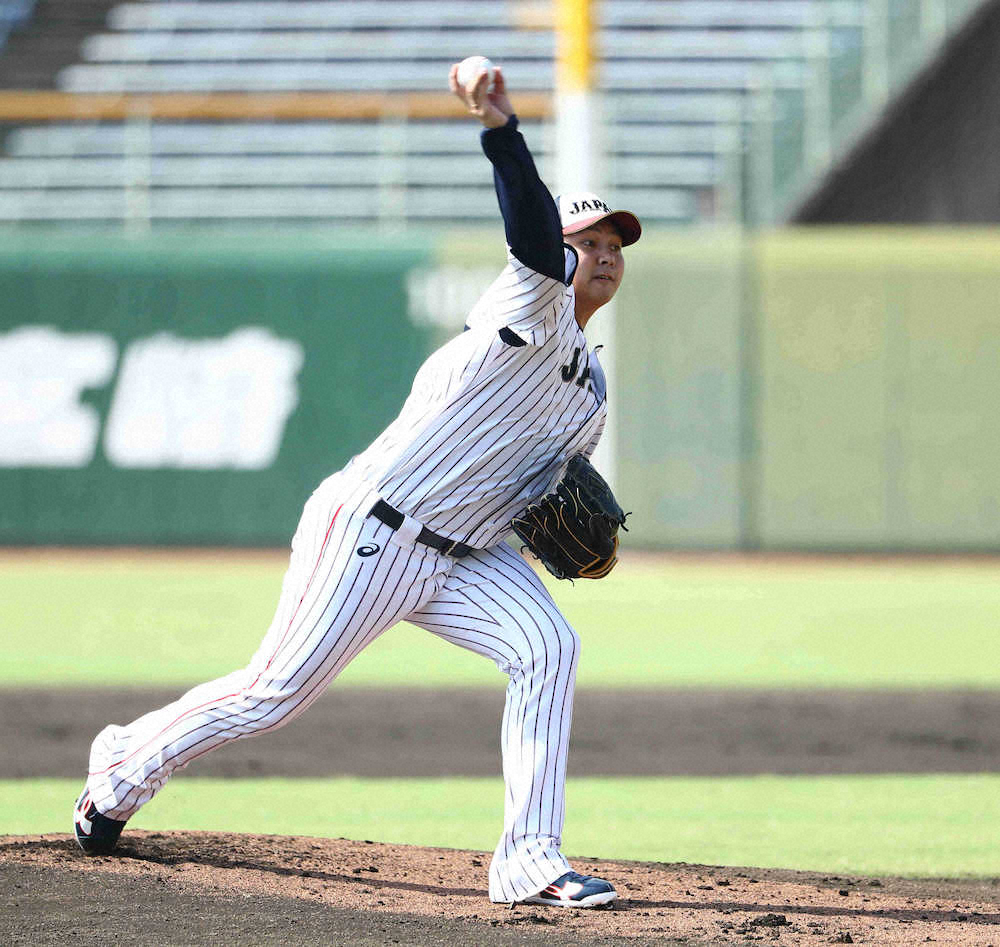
[[43, 373], [444, 295], [203, 403]]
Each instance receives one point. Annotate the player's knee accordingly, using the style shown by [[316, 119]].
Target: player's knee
[[553, 650]]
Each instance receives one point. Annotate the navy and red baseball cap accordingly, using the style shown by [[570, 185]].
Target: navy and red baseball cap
[[583, 209]]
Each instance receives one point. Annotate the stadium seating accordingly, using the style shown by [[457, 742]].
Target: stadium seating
[[13, 14], [692, 93]]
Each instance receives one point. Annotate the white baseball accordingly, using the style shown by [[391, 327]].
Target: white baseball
[[469, 68]]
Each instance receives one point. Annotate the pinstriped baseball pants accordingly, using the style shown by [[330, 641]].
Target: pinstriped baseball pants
[[334, 602]]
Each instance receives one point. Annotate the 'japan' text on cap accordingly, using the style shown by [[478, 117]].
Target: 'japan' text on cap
[[582, 210]]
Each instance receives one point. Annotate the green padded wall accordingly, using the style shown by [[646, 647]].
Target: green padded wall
[[803, 389], [680, 423], [877, 391], [316, 327]]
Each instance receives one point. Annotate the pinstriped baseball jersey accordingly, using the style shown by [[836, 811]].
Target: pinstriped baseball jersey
[[493, 416]]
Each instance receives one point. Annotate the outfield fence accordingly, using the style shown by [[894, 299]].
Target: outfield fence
[[830, 389]]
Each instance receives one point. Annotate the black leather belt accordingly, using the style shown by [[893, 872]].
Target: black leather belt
[[394, 519]]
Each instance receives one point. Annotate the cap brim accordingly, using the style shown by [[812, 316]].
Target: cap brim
[[627, 223]]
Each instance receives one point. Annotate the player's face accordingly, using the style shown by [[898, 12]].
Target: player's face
[[600, 265]]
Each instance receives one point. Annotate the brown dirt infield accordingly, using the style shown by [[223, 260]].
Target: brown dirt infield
[[194, 888]]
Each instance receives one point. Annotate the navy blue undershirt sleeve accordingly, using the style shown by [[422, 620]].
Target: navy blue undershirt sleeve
[[530, 216]]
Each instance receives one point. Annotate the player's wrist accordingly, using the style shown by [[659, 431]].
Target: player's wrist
[[510, 125], [494, 119]]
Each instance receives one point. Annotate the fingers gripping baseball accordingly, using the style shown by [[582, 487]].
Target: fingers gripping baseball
[[491, 107]]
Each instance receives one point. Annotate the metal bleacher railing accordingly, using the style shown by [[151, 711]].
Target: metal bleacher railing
[[715, 111]]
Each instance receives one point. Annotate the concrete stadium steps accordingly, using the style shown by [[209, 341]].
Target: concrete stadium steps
[[377, 45], [49, 40], [690, 89], [310, 172], [234, 138], [478, 14], [676, 76], [168, 160], [295, 204], [14, 14], [308, 76], [304, 138]]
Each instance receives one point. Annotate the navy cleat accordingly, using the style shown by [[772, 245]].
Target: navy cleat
[[96, 834], [575, 891]]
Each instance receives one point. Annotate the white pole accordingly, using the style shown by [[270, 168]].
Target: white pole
[[579, 167], [577, 148]]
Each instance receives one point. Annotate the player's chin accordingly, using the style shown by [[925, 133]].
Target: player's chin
[[603, 289]]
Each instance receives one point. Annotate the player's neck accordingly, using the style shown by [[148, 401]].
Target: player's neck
[[584, 314]]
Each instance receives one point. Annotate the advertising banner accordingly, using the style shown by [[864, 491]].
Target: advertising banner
[[192, 390]]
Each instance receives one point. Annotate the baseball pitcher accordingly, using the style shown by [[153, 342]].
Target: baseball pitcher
[[493, 438]]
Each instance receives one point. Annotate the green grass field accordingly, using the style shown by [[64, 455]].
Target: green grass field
[[654, 623], [110, 620], [921, 826]]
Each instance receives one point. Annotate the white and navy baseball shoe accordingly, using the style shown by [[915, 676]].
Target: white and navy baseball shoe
[[96, 834], [573, 890]]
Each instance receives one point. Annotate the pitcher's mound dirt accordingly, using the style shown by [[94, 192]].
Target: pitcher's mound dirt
[[197, 887]]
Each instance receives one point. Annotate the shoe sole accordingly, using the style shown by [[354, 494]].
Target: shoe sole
[[591, 901], [89, 845]]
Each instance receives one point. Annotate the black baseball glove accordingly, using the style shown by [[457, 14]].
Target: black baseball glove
[[574, 530]]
